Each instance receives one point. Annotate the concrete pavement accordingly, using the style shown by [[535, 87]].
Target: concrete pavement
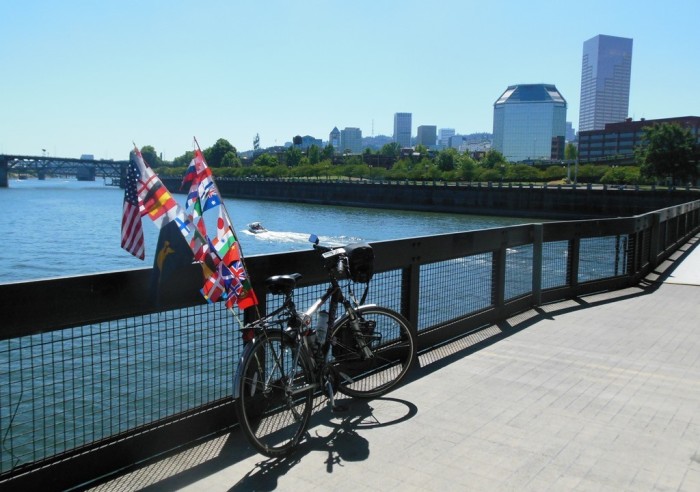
[[600, 393]]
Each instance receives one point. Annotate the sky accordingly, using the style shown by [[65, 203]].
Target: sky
[[96, 77]]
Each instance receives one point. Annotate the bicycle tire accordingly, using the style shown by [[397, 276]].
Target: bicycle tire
[[393, 345], [274, 394]]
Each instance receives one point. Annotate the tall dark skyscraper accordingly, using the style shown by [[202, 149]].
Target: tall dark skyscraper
[[605, 81]]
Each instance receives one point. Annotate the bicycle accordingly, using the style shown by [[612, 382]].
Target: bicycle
[[363, 353]]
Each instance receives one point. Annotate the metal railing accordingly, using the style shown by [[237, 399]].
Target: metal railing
[[95, 377]]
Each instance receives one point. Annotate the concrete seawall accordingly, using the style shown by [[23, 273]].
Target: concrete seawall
[[550, 202]]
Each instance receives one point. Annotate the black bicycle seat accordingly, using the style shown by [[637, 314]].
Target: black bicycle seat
[[282, 284]]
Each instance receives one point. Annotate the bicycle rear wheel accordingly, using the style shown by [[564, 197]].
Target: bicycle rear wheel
[[275, 394], [393, 346]]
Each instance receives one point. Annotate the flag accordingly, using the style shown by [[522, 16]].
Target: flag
[[225, 243], [203, 194], [200, 242], [197, 169], [172, 254], [132, 230], [155, 200], [215, 286], [222, 261], [243, 294]]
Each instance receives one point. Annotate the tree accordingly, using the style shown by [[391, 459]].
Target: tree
[[466, 167], [446, 159], [570, 152], [231, 159], [184, 159], [151, 156], [215, 154], [554, 173], [392, 149], [293, 156], [522, 173], [314, 154], [266, 160], [667, 151], [493, 159], [327, 153]]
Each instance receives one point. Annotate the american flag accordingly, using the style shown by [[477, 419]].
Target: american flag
[[132, 232]]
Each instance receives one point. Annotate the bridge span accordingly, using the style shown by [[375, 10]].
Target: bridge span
[[43, 166]]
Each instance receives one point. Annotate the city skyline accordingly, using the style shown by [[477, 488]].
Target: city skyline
[[91, 78]]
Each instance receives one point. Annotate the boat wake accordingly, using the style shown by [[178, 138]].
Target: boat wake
[[300, 238]]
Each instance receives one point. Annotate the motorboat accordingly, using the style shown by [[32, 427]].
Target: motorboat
[[256, 228]]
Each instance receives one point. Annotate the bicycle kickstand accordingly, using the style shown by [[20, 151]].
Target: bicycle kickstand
[[335, 407]]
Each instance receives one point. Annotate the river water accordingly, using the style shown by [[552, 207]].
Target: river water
[[64, 227]]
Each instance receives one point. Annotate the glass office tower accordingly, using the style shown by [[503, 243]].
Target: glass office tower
[[529, 123], [402, 129], [605, 81]]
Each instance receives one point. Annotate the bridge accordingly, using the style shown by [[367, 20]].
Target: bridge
[[43, 166]]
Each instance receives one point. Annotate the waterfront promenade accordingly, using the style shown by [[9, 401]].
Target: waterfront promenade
[[601, 393]]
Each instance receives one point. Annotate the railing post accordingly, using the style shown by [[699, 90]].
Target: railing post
[[572, 267], [498, 276], [410, 283], [654, 241], [3, 172], [537, 235]]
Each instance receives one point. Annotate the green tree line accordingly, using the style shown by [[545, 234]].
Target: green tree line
[[669, 154]]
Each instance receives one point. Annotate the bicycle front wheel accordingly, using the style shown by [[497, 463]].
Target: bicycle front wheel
[[275, 394], [392, 344]]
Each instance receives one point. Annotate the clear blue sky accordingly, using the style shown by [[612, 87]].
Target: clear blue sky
[[86, 76]]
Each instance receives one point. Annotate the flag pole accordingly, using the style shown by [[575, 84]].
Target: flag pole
[[240, 246]]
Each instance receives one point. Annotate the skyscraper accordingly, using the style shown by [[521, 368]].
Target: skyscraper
[[351, 140], [402, 129], [444, 135], [605, 81], [334, 138], [426, 135], [529, 122]]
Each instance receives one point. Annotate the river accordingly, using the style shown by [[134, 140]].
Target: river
[[64, 227]]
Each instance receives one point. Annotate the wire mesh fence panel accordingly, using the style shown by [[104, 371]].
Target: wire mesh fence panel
[[603, 257], [68, 388], [454, 289], [518, 271], [555, 259]]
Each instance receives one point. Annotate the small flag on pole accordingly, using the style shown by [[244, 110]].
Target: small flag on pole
[[132, 230], [155, 200]]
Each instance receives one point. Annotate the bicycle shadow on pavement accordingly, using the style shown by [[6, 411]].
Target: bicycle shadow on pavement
[[335, 434]]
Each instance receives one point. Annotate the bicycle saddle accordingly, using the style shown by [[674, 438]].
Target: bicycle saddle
[[282, 284]]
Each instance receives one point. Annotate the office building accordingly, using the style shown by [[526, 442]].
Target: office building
[[351, 140], [427, 136], [444, 135], [605, 82], [403, 129], [307, 141], [334, 138], [529, 123], [618, 141]]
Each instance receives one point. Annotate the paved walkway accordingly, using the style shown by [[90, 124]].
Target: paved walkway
[[597, 394]]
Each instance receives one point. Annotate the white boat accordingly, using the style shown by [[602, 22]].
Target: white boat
[[256, 228]]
